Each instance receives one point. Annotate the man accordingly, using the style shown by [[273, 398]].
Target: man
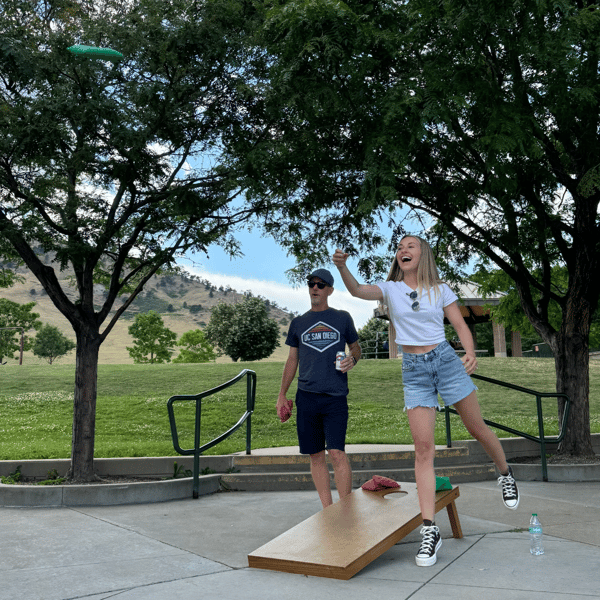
[[321, 400]]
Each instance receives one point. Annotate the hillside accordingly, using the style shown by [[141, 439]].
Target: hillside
[[183, 301]]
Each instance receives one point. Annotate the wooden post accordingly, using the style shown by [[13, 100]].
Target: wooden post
[[499, 339], [515, 338]]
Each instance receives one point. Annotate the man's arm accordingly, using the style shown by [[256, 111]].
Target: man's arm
[[353, 357], [289, 372], [284, 406], [355, 351]]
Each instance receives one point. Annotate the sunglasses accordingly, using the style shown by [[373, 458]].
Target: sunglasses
[[413, 296], [319, 284]]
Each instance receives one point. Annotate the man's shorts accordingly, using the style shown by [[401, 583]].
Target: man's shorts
[[437, 372], [321, 421]]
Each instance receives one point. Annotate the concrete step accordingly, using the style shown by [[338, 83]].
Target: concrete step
[[386, 460], [297, 480], [260, 461]]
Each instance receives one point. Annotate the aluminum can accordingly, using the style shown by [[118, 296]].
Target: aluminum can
[[339, 357]]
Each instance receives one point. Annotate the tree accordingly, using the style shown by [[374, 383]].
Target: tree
[[372, 337], [99, 161], [510, 312], [479, 118], [8, 277], [244, 330], [195, 348], [15, 320], [51, 344], [152, 341]]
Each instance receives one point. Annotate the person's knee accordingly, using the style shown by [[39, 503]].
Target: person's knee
[[477, 428], [318, 459], [424, 450], [476, 432], [338, 458]]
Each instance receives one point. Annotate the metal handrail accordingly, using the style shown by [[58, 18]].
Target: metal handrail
[[542, 440], [197, 450]]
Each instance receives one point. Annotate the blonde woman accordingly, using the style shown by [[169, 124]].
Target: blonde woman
[[418, 301]]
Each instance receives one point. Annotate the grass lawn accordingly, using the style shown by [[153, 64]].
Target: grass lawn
[[36, 406]]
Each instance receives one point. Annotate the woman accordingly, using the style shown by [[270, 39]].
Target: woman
[[418, 301]]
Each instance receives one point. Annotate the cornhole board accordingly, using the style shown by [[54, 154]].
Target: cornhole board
[[345, 537]]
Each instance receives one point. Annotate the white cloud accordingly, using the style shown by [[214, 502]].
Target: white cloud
[[286, 296]]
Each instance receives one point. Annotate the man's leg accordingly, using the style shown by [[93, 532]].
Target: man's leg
[[335, 424], [311, 438], [320, 475], [342, 472]]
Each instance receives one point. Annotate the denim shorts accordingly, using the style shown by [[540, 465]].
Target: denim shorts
[[321, 421], [439, 371]]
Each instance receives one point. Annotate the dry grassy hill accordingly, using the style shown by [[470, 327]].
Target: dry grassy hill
[[184, 302]]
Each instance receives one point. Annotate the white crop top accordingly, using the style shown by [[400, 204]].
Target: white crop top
[[421, 327]]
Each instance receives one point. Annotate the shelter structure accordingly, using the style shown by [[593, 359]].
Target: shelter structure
[[473, 308]]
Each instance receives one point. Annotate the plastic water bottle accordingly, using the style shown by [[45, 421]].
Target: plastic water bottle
[[535, 536]]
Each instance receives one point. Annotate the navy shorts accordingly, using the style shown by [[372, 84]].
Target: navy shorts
[[437, 372], [321, 421]]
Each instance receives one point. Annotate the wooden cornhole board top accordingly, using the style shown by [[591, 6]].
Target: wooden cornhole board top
[[345, 537]]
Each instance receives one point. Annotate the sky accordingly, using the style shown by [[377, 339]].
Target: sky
[[262, 271]]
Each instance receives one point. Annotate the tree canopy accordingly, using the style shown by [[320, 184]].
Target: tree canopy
[[152, 340], [480, 118], [51, 344], [243, 331], [510, 312], [113, 167], [16, 321], [195, 348]]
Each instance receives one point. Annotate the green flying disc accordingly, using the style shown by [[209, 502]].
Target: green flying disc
[[94, 52]]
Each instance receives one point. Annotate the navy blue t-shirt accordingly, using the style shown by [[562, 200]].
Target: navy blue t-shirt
[[319, 335]]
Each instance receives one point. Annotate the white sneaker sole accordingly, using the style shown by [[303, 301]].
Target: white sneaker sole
[[429, 561]]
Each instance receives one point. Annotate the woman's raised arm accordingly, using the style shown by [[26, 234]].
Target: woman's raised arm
[[358, 290]]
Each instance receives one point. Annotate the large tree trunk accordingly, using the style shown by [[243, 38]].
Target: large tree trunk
[[572, 340], [571, 359], [84, 407], [572, 379]]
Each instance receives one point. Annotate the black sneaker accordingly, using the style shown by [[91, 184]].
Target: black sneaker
[[432, 542], [510, 493]]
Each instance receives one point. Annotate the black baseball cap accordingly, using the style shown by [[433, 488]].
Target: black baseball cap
[[322, 274]]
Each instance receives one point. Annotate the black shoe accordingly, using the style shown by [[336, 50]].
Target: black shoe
[[510, 493], [432, 542]]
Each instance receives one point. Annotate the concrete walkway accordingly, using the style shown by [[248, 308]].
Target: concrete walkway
[[197, 549]]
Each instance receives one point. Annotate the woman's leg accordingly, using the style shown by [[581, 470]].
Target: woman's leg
[[422, 425], [470, 413]]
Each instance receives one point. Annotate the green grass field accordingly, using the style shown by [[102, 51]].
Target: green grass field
[[36, 406]]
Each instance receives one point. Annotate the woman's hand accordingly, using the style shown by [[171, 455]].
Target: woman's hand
[[470, 362], [339, 258]]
